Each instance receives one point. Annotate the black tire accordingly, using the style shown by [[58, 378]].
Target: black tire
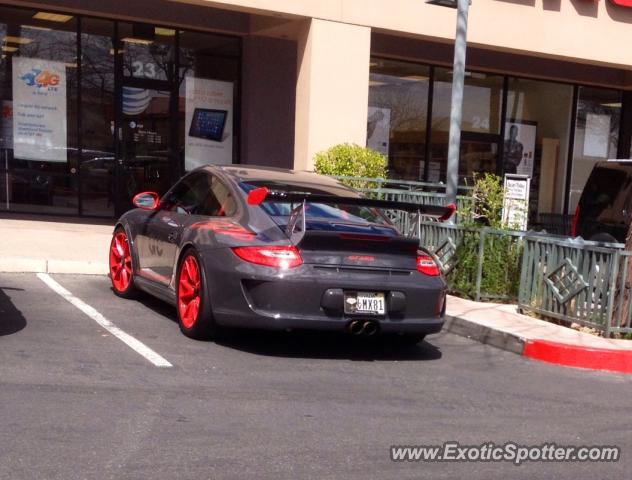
[[129, 291], [203, 328]]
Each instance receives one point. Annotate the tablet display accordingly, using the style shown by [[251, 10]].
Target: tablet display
[[208, 124]]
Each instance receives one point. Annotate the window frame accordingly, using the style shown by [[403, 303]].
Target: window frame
[[189, 181]]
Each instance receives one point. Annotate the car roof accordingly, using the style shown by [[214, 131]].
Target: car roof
[[623, 165]]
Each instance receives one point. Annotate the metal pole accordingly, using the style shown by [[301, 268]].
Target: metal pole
[[456, 109]]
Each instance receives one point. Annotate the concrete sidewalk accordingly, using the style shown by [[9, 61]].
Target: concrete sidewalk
[[80, 246], [55, 245]]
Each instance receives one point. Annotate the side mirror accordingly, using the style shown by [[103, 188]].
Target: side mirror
[[146, 200]]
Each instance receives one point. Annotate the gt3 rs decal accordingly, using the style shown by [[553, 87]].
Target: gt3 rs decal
[[154, 248]]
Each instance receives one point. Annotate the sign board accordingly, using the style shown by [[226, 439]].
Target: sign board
[[39, 110], [516, 201], [208, 123]]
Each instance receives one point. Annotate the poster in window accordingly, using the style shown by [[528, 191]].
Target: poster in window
[[378, 129], [208, 122], [519, 147], [39, 110], [597, 135]]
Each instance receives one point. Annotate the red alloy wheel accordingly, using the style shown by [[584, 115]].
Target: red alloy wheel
[[120, 262], [189, 295]]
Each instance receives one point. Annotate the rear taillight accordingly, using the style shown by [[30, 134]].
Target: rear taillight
[[575, 221], [282, 257], [427, 266]]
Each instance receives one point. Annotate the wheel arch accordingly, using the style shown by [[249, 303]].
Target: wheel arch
[[186, 248], [188, 245], [132, 244]]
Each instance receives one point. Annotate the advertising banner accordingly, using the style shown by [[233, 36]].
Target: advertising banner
[[208, 122], [39, 110], [519, 151]]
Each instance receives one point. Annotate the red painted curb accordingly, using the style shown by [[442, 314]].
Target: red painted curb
[[582, 357]]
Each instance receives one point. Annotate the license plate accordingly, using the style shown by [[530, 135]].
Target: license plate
[[364, 302]]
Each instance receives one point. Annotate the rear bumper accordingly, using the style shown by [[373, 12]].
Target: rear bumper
[[416, 326], [252, 296]]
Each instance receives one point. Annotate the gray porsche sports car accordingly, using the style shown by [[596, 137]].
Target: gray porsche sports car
[[278, 249]]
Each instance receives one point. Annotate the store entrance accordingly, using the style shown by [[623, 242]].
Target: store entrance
[[146, 111]]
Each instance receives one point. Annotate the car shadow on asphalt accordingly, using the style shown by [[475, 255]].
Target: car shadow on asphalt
[[325, 345], [11, 319], [306, 343]]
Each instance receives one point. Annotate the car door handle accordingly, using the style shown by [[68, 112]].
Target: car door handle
[[172, 237]]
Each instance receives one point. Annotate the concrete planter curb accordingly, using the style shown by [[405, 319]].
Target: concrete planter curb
[[484, 334]]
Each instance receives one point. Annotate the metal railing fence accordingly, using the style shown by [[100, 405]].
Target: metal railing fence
[[577, 281], [481, 263], [423, 193], [393, 183], [621, 310], [588, 283]]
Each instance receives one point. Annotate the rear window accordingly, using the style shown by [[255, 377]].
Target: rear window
[[280, 211], [603, 187]]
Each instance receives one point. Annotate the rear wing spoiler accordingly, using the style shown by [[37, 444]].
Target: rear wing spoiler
[[262, 194]]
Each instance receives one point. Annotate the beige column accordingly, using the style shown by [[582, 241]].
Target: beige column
[[332, 88]]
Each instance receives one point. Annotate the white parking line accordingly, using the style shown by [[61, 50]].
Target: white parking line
[[126, 338]]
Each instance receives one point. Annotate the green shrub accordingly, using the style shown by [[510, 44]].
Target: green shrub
[[486, 206], [502, 254], [353, 161]]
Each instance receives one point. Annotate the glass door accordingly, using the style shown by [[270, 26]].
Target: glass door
[[146, 114], [145, 141]]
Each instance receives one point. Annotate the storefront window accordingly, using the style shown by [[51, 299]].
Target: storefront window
[[209, 74], [482, 110], [397, 117], [39, 87], [537, 140], [88, 121], [97, 117], [596, 135], [148, 51]]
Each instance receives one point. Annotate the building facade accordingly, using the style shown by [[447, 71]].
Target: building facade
[[102, 100]]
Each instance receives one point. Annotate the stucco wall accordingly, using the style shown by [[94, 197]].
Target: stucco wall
[[332, 88], [587, 30], [268, 94]]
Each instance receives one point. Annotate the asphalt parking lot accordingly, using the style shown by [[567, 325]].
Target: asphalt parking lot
[[77, 402]]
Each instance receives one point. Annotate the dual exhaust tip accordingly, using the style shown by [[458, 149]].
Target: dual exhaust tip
[[363, 327]]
